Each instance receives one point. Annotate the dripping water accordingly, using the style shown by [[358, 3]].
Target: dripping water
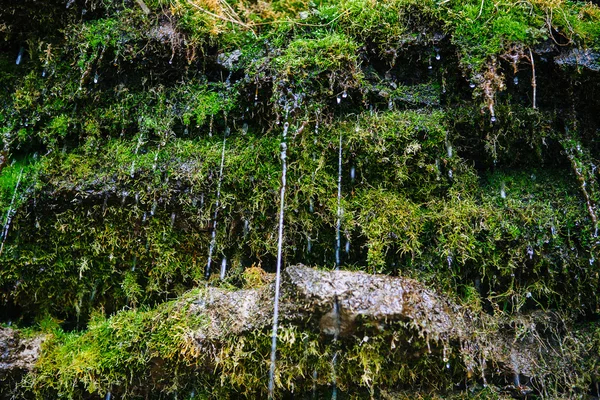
[[20, 55], [137, 149], [339, 208], [283, 156], [9, 213], [336, 305], [223, 267], [213, 237]]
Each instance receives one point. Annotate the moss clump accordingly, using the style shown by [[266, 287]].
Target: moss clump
[[118, 354], [130, 353]]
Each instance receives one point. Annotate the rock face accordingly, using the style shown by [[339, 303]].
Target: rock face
[[17, 355], [365, 300], [355, 308], [310, 294], [579, 58]]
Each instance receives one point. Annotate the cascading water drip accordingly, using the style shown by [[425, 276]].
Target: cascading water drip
[[223, 268], [283, 156], [20, 55], [213, 233], [9, 213]]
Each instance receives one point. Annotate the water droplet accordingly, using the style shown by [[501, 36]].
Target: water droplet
[[245, 128], [530, 252], [390, 104], [44, 73], [493, 119], [339, 99], [20, 55], [223, 268], [438, 57], [528, 295], [353, 173], [516, 80], [448, 365], [430, 67], [108, 396], [502, 191], [472, 85], [450, 174], [344, 94], [96, 77], [449, 259]]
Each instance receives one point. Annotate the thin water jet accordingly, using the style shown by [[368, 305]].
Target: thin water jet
[[223, 268], [20, 55], [213, 233], [283, 156], [8, 218], [336, 305]]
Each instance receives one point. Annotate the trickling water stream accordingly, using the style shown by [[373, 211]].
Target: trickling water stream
[[283, 156], [336, 305], [213, 233], [9, 213]]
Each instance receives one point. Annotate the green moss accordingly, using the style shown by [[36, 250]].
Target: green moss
[[129, 111], [118, 354]]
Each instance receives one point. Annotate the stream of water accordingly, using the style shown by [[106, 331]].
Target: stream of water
[[8, 219], [213, 234], [283, 156]]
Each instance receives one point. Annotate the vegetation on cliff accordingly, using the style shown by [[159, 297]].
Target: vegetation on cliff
[[470, 154]]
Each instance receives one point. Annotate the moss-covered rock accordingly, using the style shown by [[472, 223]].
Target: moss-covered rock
[[470, 151]]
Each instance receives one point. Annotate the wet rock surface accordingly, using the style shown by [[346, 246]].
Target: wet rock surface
[[17, 354], [580, 58], [309, 294]]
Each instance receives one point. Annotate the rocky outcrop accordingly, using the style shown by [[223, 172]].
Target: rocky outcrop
[[17, 354], [310, 294]]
